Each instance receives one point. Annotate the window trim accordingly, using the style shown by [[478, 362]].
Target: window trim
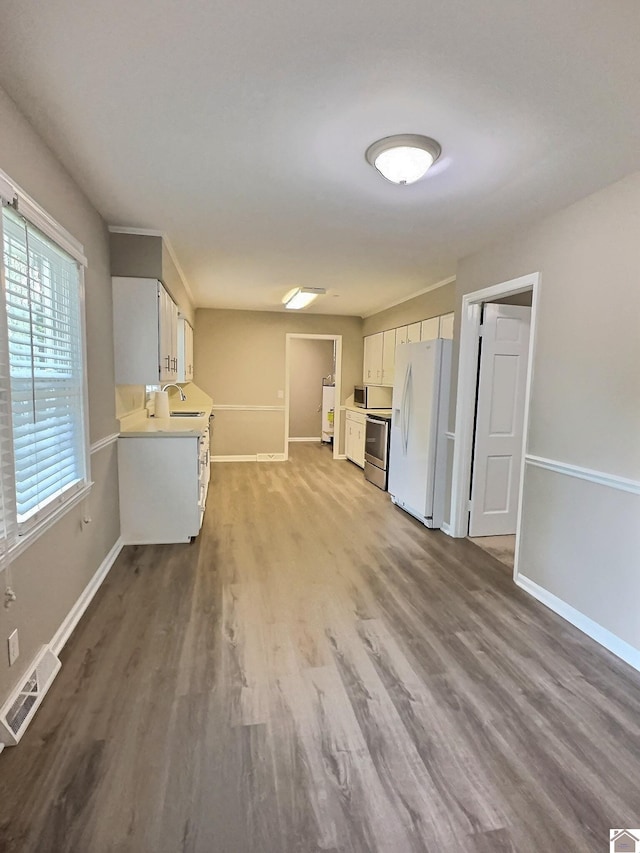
[[30, 530]]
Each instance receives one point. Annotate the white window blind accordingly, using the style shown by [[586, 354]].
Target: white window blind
[[45, 360]]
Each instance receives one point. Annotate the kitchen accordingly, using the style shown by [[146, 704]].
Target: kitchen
[[247, 408]]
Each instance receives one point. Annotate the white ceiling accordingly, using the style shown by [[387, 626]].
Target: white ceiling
[[239, 128]]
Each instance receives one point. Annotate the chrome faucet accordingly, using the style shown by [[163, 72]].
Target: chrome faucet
[[183, 396]]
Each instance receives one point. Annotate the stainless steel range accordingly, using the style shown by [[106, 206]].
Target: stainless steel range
[[376, 450]]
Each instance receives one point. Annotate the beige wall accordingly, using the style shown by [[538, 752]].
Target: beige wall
[[580, 540], [310, 360], [240, 360], [50, 576], [442, 300]]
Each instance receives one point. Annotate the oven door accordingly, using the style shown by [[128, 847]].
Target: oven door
[[377, 441]]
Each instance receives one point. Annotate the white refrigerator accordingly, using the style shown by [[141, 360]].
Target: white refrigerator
[[418, 455]]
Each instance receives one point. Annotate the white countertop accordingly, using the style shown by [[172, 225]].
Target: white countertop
[[382, 412], [143, 427]]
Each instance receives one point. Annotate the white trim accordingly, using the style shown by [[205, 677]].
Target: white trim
[[451, 436], [38, 216], [411, 296], [149, 232], [29, 537], [446, 528], [629, 654], [103, 442], [138, 232], [341, 456], [272, 457], [337, 409], [466, 397], [622, 484], [230, 407], [313, 438], [77, 611]]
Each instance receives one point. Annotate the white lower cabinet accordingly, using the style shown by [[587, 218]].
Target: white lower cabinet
[[354, 437], [163, 487]]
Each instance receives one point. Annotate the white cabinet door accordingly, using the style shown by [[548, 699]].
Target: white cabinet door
[[446, 326], [185, 351], [354, 437], [388, 356], [164, 334], [430, 329], [499, 420], [359, 445], [413, 333], [401, 335], [372, 373]]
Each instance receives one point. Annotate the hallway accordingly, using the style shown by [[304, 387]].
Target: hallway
[[319, 672]]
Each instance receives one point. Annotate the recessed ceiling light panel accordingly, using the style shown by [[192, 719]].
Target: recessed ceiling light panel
[[404, 158], [300, 297]]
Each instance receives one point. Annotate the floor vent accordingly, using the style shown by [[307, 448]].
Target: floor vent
[[270, 457], [18, 710]]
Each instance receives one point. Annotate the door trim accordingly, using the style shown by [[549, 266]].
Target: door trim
[[466, 397], [337, 409]]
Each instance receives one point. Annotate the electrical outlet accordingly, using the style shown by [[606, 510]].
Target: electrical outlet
[[280, 395], [14, 648]]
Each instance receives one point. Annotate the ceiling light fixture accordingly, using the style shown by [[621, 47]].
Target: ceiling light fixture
[[300, 297], [404, 158]]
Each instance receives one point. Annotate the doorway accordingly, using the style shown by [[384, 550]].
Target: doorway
[[312, 400], [497, 337]]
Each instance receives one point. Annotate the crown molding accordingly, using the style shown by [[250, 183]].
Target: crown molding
[[410, 296]]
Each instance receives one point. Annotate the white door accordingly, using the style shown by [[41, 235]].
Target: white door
[[497, 455]]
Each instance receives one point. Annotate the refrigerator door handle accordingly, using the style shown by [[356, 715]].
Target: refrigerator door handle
[[406, 405]]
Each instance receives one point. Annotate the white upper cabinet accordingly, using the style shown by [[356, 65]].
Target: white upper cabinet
[[145, 330], [373, 346], [413, 333], [380, 349], [185, 351], [446, 326], [388, 356], [430, 329]]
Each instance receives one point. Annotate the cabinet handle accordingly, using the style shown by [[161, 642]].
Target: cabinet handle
[[168, 358]]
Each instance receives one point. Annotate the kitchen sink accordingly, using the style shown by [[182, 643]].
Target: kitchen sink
[[188, 414]]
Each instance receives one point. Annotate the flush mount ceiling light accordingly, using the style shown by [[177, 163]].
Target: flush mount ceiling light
[[404, 158], [300, 297]]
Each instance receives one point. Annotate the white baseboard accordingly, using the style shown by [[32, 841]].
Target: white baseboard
[[317, 438], [446, 528], [601, 635], [340, 456], [75, 614], [234, 458], [256, 457]]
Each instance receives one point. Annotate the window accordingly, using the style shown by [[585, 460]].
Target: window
[[43, 458]]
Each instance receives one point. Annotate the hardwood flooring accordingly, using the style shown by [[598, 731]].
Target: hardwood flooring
[[318, 672], [503, 548]]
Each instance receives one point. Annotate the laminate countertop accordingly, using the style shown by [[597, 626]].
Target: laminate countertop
[[143, 427], [382, 413]]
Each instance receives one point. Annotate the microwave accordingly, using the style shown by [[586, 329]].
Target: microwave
[[372, 396]]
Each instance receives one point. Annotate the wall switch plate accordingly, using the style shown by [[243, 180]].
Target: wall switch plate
[[14, 648], [280, 395]]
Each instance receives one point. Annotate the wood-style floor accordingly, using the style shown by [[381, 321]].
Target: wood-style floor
[[318, 672]]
